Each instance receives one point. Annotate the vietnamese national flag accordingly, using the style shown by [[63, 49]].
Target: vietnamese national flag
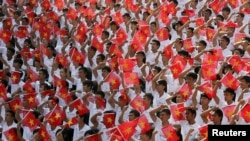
[[3, 92], [138, 103], [113, 63], [97, 44], [28, 87], [207, 88], [185, 91], [170, 133], [162, 34], [239, 36], [208, 72], [11, 134], [127, 129], [31, 99], [113, 79], [236, 62], [176, 69], [59, 4], [33, 76], [15, 104], [145, 29], [16, 77], [126, 65], [109, 120], [228, 111], [136, 44], [71, 122], [177, 111], [56, 116], [141, 37], [94, 137], [230, 81], [79, 106], [57, 82], [188, 45], [163, 17], [117, 17], [46, 5], [189, 12], [168, 52], [130, 78], [64, 94], [44, 134], [199, 21], [245, 112], [72, 13], [30, 121], [217, 52], [144, 124], [77, 56], [203, 130], [5, 35]]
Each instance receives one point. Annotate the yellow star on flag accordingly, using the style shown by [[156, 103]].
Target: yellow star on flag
[[109, 120], [31, 99], [177, 113], [175, 71], [248, 114], [31, 122], [58, 116], [142, 124], [128, 130]]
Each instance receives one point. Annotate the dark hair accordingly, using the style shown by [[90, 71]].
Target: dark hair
[[67, 133], [19, 61], [107, 68], [219, 113], [192, 111], [192, 75], [158, 43], [163, 83], [242, 52], [231, 91], [135, 113], [246, 78], [150, 97], [143, 54], [45, 72], [226, 8], [157, 68]]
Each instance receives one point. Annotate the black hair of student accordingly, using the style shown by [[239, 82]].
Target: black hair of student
[[67, 134], [203, 95], [91, 132], [4, 82], [242, 52], [150, 97], [231, 91], [227, 39], [88, 83], [19, 61], [209, 11], [12, 50], [183, 53], [178, 132], [93, 48], [88, 72], [219, 113], [143, 54], [106, 33], [176, 23], [135, 113], [192, 111], [45, 72], [247, 38], [102, 56], [157, 42], [227, 66], [149, 133], [85, 117], [203, 42], [101, 93], [165, 110], [163, 83], [106, 68], [157, 68], [54, 99], [12, 113], [246, 78], [226, 8], [126, 15], [192, 75]]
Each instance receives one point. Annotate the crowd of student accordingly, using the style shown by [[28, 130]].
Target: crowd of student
[[149, 70]]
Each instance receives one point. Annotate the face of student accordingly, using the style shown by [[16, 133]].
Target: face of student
[[244, 84]]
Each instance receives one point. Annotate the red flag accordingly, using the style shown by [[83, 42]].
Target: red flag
[[184, 19], [45, 33], [97, 30], [208, 72], [72, 13], [44, 134], [114, 50], [47, 92], [185, 91], [30, 121], [209, 60], [228, 111], [188, 45], [138, 103], [176, 69], [170, 133], [31, 99], [245, 112], [77, 56], [100, 102], [5, 35], [62, 60], [207, 88], [22, 32], [79, 106], [136, 44], [94, 137], [121, 36], [10, 2], [109, 120], [145, 29], [28, 87], [117, 17], [144, 124], [210, 33], [115, 137], [15, 77], [168, 52], [56, 116], [71, 122], [199, 21], [44, 50], [230, 81], [141, 37], [177, 111], [127, 129], [130, 78], [236, 63], [15, 104], [203, 130], [239, 36], [164, 18], [218, 54], [233, 3], [58, 82], [3, 92], [114, 80], [97, 44], [46, 5], [11, 134], [126, 65], [64, 94], [150, 76], [33, 76], [59, 4], [162, 34], [189, 12], [113, 63]]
